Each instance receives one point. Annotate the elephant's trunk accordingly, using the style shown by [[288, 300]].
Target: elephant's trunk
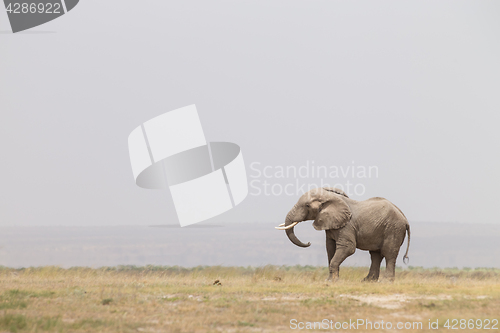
[[290, 218]]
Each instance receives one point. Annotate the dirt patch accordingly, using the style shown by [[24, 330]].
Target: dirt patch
[[394, 301], [382, 301]]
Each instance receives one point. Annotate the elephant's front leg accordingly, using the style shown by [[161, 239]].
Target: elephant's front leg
[[341, 253], [330, 251]]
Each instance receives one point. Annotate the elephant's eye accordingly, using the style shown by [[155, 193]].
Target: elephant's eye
[[307, 205]]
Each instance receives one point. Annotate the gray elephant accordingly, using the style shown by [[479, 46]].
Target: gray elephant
[[374, 225]]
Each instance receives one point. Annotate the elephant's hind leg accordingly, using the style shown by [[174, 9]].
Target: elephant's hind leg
[[390, 268], [390, 251], [375, 266], [390, 264]]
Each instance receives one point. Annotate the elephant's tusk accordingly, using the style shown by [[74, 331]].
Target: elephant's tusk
[[282, 225], [287, 227]]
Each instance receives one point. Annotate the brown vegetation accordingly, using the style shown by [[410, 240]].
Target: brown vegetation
[[231, 299]]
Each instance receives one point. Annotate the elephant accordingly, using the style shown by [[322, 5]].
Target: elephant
[[374, 225]]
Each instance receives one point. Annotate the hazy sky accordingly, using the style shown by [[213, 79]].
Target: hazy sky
[[411, 87]]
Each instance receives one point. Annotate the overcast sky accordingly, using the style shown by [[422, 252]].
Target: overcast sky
[[411, 87]]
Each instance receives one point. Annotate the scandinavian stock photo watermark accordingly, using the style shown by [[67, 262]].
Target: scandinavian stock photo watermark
[[366, 324], [292, 180]]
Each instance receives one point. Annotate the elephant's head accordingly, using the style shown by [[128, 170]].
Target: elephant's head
[[323, 205]]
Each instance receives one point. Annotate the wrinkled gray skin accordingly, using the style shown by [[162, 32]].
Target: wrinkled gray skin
[[374, 225]]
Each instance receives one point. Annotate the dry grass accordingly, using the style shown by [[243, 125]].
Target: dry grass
[[173, 299]]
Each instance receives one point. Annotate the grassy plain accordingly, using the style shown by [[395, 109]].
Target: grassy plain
[[265, 299]]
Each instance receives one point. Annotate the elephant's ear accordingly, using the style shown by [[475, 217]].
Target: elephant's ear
[[334, 214]]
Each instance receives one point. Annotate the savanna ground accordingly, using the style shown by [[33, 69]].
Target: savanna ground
[[266, 299]]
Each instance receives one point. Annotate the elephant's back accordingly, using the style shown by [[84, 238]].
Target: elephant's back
[[376, 199], [387, 206]]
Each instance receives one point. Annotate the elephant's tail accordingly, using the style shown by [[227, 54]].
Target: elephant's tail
[[406, 258]]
